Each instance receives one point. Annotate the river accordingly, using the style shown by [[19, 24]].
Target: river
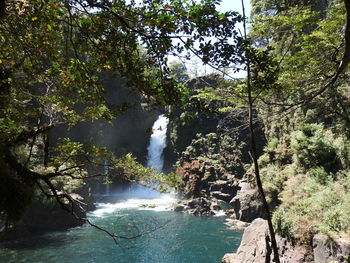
[[169, 237], [180, 238]]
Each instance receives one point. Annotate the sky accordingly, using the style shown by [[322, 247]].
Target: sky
[[234, 5], [195, 67]]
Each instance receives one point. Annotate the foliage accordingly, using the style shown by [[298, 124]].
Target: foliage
[[217, 150], [128, 168], [179, 72], [313, 146], [304, 167], [306, 40], [310, 206], [310, 182], [54, 58]]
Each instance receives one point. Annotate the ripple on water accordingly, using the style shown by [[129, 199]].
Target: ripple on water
[[181, 238]]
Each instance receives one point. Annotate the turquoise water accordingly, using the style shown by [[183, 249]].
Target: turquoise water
[[180, 238]]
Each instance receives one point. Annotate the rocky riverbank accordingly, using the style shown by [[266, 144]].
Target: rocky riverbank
[[198, 206], [214, 164], [256, 247]]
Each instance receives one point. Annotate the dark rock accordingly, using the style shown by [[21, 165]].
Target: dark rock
[[221, 196], [179, 208], [247, 203], [43, 217], [198, 207], [231, 213], [224, 186], [203, 211], [198, 202], [215, 207]]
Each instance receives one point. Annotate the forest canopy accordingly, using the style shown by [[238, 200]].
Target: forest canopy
[[54, 57]]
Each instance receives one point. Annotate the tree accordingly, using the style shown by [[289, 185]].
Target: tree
[[311, 41], [53, 57], [293, 55], [179, 71]]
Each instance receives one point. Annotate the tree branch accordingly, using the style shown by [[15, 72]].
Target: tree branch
[[254, 151], [60, 196], [342, 65]]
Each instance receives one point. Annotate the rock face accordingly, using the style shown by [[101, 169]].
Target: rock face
[[326, 250], [180, 132], [40, 218], [47, 215], [256, 247], [129, 132], [247, 204], [234, 125], [223, 190], [193, 173]]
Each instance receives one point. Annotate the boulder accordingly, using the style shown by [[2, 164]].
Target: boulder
[[198, 207], [326, 250], [256, 247], [230, 213], [247, 203], [228, 258], [179, 208], [225, 186], [221, 196], [235, 224], [223, 190]]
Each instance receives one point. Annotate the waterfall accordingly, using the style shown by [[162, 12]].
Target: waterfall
[[157, 144], [106, 171]]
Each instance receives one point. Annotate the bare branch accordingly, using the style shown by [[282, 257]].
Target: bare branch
[[254, 152]]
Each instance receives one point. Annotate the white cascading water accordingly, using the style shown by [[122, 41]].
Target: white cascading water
[[157, 144], [106, 171], [138, 196]]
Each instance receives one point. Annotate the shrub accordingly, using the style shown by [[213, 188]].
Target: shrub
[[320, 175], [309, 206], [274, 178], [283, 223], [335, 220], [313, 147]]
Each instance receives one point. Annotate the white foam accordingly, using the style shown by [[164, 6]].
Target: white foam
[[220, 213], [163, 203]]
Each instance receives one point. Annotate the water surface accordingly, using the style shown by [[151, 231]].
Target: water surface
[[180, 238]]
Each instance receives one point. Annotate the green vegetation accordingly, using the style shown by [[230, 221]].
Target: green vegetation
[[298, 56], [55, 56], [305, 167], [310, 182]]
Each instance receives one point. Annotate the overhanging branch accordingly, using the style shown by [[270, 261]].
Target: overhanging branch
[[342, 65]]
